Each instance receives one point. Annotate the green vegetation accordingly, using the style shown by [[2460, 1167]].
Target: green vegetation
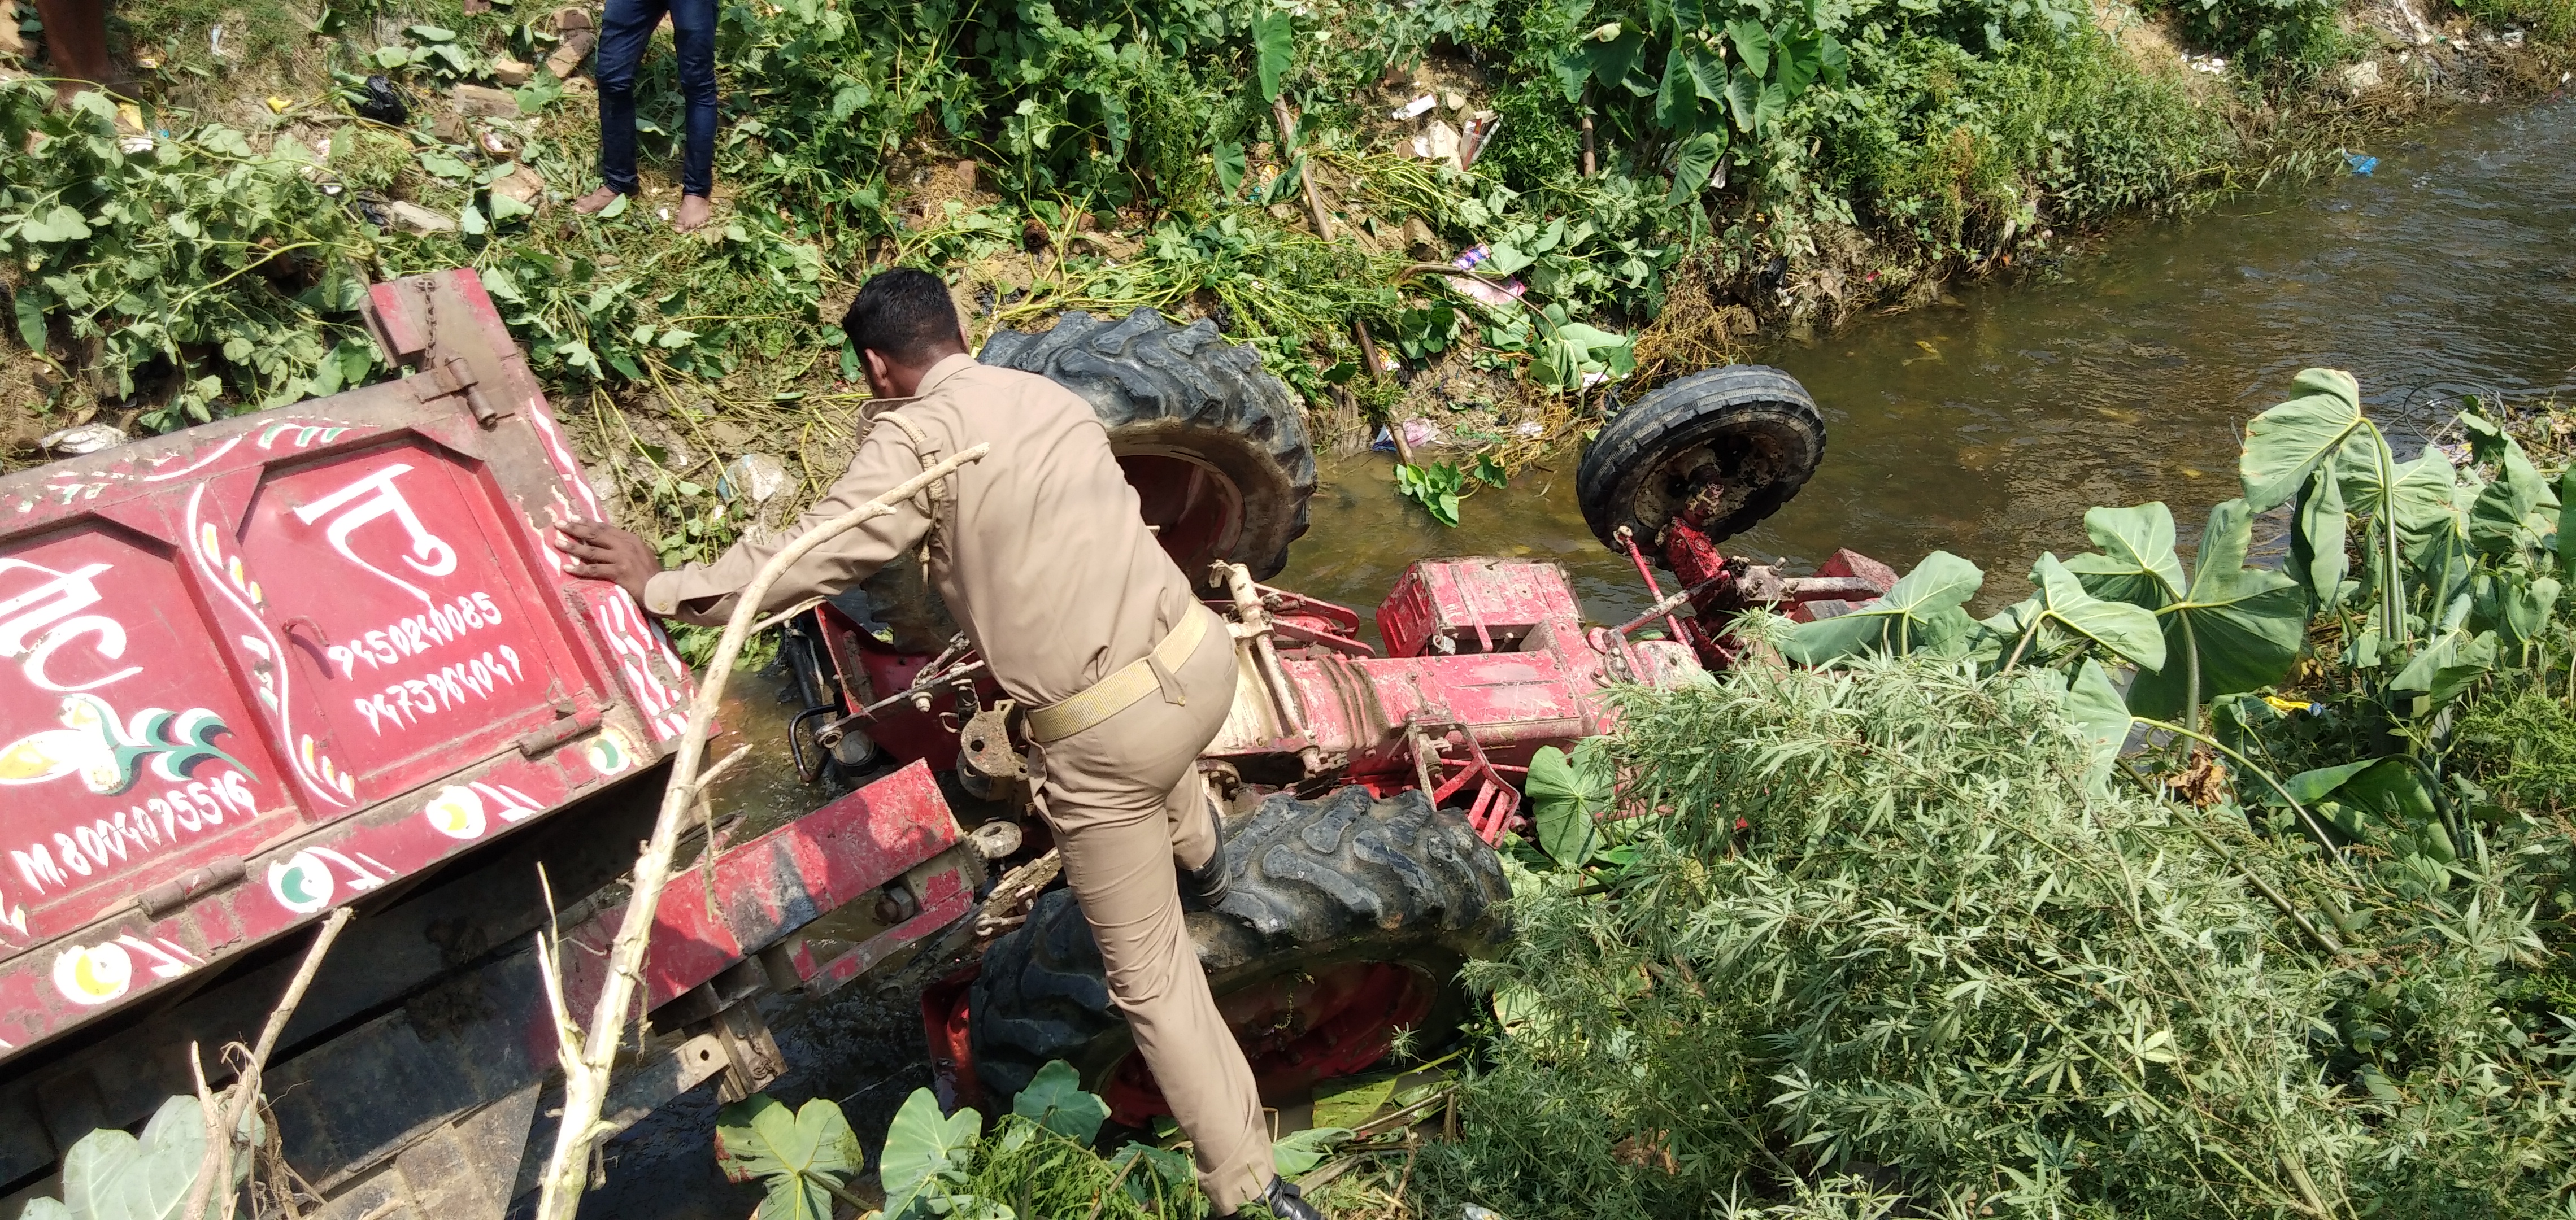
[[1910, 929], [1773, 160]]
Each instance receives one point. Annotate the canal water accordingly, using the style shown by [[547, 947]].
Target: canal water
[[1983, 425], [1986, 424]]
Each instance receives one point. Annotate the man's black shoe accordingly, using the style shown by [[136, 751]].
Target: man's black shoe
[[1207, 881], [1284, 1202]]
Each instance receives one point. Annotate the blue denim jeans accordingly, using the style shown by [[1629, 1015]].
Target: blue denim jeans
[[626, 30]]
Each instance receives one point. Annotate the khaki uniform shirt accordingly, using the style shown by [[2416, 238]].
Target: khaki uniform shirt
[[1040, 549]]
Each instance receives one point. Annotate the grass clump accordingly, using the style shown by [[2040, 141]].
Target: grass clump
[[1886, 928]]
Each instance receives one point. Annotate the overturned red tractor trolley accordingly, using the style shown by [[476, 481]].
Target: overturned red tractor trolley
[[323, 656]]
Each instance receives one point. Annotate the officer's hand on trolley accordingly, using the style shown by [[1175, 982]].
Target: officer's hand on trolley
[[604, 552]]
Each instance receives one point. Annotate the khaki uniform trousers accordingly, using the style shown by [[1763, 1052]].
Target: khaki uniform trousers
[[1126, 802]]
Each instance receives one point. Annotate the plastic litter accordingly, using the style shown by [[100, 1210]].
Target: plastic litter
[[757, 475], [1417, 433], [2360, 163], [1414, 109], [1474, 1212], [1497, 295], [382, 104], [84, 439]]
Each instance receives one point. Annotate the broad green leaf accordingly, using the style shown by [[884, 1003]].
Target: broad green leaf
[[2094, 706], [1567, 802], [1614, 61], [1694, 163], [1752, 45], [1800, 58], [2137, 564], [1910, 616], [1677, 98], [470, 219], [921, 1145], [1834, 59], [793, 1153], [110, 1175], [2501, 519], [2387, 787], [1165, 1174], [616, 207], [30, 303], [1770, 108], [2444, 667], [2567, 525], [508, 207], [1708, 76], [2317, 558], [2125, 629], [1744, 99], [1274, 40], [2287, 443], [1230, 168], [2242, 627], [58, 224], [2523, 607], [1304, 1150], [1054, 1100]]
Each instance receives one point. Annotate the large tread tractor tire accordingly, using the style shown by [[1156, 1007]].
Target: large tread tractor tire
[[1345, 920], [1748, 427], [1216, 448]]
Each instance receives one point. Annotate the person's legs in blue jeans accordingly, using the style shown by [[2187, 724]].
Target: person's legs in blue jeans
[[693, 29], [626, 29]]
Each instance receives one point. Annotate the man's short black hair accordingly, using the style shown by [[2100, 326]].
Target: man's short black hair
[[905, 314]]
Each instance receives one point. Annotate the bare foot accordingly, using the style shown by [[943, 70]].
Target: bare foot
[[693, 212], [594, 202]]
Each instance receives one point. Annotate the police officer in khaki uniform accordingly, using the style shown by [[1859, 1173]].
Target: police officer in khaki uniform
[[1043, 556]]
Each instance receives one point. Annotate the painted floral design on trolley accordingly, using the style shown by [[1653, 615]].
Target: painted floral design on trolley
[[315, 769], [90, 975]]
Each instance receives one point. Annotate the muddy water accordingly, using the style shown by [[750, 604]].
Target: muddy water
[[1985, 425]]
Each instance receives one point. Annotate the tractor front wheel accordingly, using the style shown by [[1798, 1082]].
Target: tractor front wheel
[[1344, 923], [1746, 434]]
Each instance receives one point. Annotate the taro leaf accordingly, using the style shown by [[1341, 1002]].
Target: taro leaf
[[1568, 800], [1834, 59], [2500, 518], [1230, 168], [1801, 58], [1304, 1150], [1276, 42], [2446, 666], [2317, 558], [2119, 626], [30, 303], [2243, 626], [1694, 163], [2387, 787], [795, 1154], [1165, 1173], [1752, 45], [2523, 604], [2137, 563], [1054, 1100], [1768, 110], [110, 1175], [1744, 98], [2566, 541], [1910, 616], [922, 1148], [2094, 707], [2423, 500], [1614, 61], [508, 207], [2286, 444], [1677, 98], [616, 208]]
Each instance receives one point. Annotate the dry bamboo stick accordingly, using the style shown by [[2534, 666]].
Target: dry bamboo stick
[[224, 1121], [587, 1059]]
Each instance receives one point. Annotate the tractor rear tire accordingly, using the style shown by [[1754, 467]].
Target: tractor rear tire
[[1755, 424], [1345, 919], [1216, 447]]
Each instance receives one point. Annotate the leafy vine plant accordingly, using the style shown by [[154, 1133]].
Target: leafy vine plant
[[2460, 568]]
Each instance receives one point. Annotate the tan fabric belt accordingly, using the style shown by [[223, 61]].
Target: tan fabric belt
[[1115, 693]]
